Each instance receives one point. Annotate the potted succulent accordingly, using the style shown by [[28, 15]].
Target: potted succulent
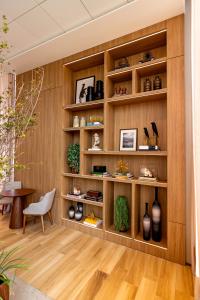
[[121, 217], [8, 262], [73, 157]]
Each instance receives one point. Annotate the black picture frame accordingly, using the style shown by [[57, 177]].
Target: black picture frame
[[89, 81]]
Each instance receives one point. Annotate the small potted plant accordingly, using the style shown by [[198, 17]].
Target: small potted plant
[[121, 218], [73, 157], [8, 262]]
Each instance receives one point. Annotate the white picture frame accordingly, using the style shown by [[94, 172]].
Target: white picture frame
[[128, 139], [87, 81]]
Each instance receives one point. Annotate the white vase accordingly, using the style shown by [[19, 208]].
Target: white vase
[[83, 122], [76, 121]]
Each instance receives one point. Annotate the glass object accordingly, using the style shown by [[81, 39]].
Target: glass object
[[146, 223], [156, 219]]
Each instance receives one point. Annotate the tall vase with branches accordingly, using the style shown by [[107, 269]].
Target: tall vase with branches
[[17, 109]]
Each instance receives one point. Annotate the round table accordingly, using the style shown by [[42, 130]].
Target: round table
[[19, 198]]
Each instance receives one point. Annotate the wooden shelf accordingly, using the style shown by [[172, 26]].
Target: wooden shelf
[[139, 97], [126, 153], [156, 66], [82, 224], [95, 203], [68, 129], [85, 106], [125, 74], [161, 244], [135, 181], [126, 234], [86, 62]]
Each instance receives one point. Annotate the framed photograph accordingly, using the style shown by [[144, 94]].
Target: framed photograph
[[128, 139], [81, 88]]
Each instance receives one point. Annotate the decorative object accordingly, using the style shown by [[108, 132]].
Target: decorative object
[[122, 171], [71, 212], [99, 94], [80, 206], [156, 218], [154, 138], [78, 213], [8, 262], [95, 121], [147, 85], [76, 191], [147, 56], [94, 196], [92, 221], [95, 142], [122, 63], [98, 170], [81, 88], [76, 121], [73, 157], [146, 174], [157, 83], [128, 139], [120, 92], [83, 122], [90, 93], [146, 223], [121, 216]]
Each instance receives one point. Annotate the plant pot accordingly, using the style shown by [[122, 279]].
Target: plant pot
[[74, 171], [4, 291]]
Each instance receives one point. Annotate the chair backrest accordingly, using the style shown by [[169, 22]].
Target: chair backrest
[[12, 185], [47, 201]]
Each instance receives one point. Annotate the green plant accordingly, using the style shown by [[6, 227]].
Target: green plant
[[121, 218], [73, 157], [8, 262]]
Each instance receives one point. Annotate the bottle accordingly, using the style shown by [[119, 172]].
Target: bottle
[[156, 218], [76, 121], [146, 224]]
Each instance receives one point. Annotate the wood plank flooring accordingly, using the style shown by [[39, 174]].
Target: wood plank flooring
[[66, 264]]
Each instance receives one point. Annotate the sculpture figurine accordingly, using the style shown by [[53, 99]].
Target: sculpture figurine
[[146, 174], [96, 142]]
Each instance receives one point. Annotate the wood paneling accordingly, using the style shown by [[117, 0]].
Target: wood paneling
[[176, 245], [176, 139], [175, 36]]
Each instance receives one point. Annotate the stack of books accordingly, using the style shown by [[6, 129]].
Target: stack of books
[[93, 221], [94, 196]]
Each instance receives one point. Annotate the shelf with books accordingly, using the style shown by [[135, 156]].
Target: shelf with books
[[95, 203]]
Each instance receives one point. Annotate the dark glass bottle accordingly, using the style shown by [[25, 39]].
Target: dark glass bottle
[[156, 218], [146, 224]]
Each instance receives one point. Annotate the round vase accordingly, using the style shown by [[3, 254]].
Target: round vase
[[80, 206], [78, 215], [4, 291], [71, 212]]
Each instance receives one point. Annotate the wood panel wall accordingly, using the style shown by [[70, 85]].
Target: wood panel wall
[[43, 146]]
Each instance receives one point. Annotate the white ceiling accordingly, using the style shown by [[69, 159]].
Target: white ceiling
[[42, 31]]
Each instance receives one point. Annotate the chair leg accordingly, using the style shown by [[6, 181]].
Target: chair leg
[[50, 217], [24, 223], [42, 221]]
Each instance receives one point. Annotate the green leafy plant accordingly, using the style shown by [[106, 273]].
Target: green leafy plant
[[73, 157], [121, 218], [9, 262]]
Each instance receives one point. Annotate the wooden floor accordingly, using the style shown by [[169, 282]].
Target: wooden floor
[[67, 264]]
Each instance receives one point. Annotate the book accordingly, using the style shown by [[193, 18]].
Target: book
[[93, 221], [147, 178], [72, 196], [148, 148]]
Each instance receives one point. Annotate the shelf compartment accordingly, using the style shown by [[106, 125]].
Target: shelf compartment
[[144, 193], [88, 139], [82, 224], [85, 106], [127, 153], [95, 203], [112, 190], [119, 80], [150, 71], [139, 97], [86, 62]]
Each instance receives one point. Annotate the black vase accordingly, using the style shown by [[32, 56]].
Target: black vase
[[90, 93], [99, 90]]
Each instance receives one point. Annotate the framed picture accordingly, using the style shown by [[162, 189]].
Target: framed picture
[[81, 88], [128, 139]]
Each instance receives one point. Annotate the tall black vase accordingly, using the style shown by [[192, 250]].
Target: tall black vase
[[99, 90], [90, 93]]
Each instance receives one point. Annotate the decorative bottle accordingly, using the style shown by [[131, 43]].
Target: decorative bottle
[[76, 121], [156, 219], [146, 223]]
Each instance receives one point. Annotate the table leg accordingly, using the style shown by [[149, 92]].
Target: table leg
[[16, 217]]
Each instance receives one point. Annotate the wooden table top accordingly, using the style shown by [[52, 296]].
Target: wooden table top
[[17, 192]]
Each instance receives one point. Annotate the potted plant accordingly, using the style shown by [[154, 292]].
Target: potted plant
[[8, 262], [121, 217], [73, 157]]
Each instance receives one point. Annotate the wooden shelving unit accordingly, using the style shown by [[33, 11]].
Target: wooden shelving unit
[[136, 109]]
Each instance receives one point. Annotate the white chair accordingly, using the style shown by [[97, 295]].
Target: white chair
[[40, 208], [4, 201]]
